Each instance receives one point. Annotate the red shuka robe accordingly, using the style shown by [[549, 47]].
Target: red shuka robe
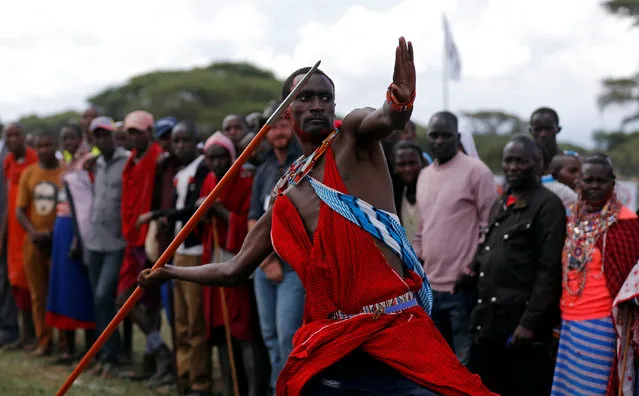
[[621, 253], [138, 177], [343, 269], [15, 233], [239, 299]]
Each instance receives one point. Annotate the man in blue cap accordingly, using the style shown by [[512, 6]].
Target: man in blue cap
[[163, 128]]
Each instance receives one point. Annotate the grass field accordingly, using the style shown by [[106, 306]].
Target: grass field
[[24, 375]]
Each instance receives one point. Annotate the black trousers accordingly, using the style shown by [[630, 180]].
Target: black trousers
[[8, 307], [360, 374], [513, 370]]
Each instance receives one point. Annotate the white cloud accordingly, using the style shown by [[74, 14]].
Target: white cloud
[[516, 55]]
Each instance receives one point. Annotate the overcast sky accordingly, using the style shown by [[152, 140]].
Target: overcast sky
[[516, 55]]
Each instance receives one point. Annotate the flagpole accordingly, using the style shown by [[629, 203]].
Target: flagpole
[[445, 76]]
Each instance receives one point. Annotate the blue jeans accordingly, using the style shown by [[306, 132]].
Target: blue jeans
[[104, 273], [280, 307], [451, 314]]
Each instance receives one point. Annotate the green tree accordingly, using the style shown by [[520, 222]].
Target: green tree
[[605, 141], [35, 124], [495, 122], [490, 149], [623, 92], [204, 95], [624, 8]]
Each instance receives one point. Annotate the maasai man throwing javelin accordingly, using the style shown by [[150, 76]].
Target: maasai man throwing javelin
[[366, 326]]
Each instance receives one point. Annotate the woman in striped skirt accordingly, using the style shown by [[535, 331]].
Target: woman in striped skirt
[[601, 249]]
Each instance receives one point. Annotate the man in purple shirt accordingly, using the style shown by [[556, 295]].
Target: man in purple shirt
[[454, 196]]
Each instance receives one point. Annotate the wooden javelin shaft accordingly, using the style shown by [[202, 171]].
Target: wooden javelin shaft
[[186, 230]]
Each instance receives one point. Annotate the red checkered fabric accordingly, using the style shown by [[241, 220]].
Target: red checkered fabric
[[620, 256]]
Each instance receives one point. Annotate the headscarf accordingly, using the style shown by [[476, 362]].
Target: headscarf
[[222, 140]]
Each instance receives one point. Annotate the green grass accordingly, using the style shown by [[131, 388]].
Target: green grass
[[24, 375]]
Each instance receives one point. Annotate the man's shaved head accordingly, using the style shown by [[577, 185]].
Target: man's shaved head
[[89, 115], [521, 162], [235, 128], [13, 134], [187, 127], [92, 111], [557, 163], [290, 81], [184, 141], [443, 135], [449, 117], [529, 145], [230, 117], [12, 125], [566, 169]]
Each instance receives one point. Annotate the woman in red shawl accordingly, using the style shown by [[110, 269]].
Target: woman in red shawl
[[601, 249]]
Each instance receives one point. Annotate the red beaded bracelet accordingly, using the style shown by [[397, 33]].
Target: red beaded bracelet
[[397, 105]]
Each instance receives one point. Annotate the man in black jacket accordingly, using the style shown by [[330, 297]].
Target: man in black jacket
[[518, 275]]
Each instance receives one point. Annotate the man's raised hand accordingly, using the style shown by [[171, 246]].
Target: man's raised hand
[[403, 84]]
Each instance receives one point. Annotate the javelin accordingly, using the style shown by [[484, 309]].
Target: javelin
[[186, 230]]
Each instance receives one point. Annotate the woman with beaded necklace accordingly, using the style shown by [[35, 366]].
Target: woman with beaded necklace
[[601, 249]]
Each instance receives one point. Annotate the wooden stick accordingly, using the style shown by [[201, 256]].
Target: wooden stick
[[186, 230], [225, 315], [180, 386], [625, 352]]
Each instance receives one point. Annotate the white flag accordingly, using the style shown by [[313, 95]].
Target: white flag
[[452, 56]]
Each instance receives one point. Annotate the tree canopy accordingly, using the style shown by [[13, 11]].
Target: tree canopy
[[204, 95], [495, 122], [207, 94], [624, 8], [34, 124], [622, 91]]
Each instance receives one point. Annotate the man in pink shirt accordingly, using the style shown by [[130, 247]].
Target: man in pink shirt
[[454, 196]]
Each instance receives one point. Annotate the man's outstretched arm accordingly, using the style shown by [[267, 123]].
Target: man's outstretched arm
[[257, 246], [370, 124]]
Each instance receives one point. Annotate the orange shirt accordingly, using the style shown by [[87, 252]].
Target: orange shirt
[[595, 301], [38, 194], [13, 170]]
